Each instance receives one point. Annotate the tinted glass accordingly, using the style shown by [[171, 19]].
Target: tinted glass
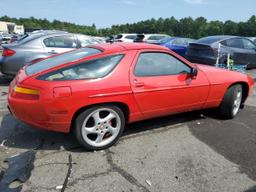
[[60, 59], [236, 43], [61, 42], [97, 68], [159, 64], [248, 44], [210, 40]]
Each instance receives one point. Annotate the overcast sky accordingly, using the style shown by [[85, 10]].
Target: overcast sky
[[104, 13]]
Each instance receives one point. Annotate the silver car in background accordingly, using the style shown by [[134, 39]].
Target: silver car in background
[[4, 38], [149, 38], [38, 46]]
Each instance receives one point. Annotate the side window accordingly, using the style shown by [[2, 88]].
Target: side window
[[248, 44], [159, 64], [61, 42], [236, 43], [87, 70]]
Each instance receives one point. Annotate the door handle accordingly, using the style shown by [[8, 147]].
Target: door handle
[[138, 84], [52, 52]]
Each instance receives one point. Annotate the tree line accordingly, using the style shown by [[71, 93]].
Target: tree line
[[185, 27]]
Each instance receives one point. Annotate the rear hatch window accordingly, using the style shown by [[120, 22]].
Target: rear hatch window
[[60, 59]]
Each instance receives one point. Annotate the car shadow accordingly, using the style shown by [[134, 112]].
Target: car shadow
[[234, 139], [15, 134]]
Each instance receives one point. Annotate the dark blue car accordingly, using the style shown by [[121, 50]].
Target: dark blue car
[[176, 44]]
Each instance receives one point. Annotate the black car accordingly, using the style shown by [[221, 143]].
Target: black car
[[207, 49]]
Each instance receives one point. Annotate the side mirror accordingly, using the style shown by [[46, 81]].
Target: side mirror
[[193, 72]]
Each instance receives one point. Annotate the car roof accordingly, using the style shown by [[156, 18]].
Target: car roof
[[127, 34], [111, 47], [215, 38]]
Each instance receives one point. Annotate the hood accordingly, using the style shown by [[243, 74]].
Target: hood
[[219, 75]]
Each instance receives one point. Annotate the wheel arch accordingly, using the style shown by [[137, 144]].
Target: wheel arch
[[123, 106], [245, 88]]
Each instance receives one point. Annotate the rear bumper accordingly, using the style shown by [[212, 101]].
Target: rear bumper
[[33, 114], [37, 114]]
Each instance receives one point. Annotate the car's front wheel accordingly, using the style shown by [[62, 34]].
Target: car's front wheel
[[99, 127], [231, 102]]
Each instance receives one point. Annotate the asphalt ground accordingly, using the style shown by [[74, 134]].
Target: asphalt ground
[[193, 151]]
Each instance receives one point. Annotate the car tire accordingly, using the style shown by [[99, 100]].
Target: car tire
[[99, 127], [231, 102]]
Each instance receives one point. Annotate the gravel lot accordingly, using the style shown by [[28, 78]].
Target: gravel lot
[[186, 152]]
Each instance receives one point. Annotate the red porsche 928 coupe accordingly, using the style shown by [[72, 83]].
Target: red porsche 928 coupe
[[95, 91]]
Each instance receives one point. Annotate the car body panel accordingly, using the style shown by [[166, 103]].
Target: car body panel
[[178, 87], [60, 101]]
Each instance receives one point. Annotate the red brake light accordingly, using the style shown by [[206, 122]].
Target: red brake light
[[8, 52]]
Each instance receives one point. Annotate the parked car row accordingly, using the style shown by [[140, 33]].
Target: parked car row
[[40, 44], [4, 38], [208, 50]]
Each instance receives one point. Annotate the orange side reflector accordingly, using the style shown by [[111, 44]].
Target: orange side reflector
[[26, 90]]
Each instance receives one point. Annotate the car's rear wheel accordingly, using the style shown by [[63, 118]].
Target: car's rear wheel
[[231, 102], [99, 127]]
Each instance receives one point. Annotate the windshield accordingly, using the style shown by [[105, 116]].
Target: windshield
[[60, 59]]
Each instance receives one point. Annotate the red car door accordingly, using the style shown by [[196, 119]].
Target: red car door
[[162, 84]]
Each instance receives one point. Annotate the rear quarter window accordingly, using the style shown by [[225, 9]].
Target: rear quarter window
[[92, 69], [64, 41]]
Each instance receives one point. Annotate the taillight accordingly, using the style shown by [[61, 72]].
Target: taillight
[[25, 93], [8, 52]]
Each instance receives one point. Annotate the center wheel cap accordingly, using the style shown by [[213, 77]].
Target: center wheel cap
[[101, 126]]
